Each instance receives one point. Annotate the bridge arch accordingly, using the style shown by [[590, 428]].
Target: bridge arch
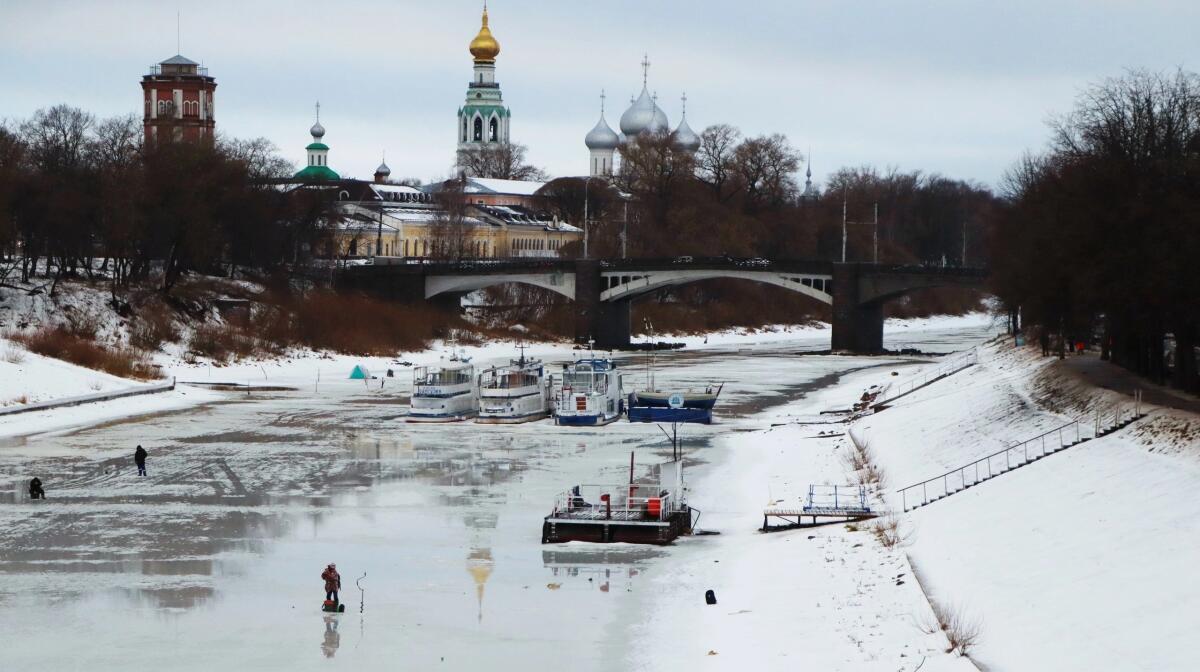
[[559, 282], [629, 285]]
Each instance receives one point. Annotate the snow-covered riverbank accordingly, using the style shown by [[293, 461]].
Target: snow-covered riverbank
[[1080, 561]]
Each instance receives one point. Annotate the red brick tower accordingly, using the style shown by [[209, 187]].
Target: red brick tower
[[177, 102]]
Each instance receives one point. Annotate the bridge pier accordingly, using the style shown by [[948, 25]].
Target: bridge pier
[[857, 326], [605, 322]]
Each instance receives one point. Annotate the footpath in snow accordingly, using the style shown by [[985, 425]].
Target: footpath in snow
[[1079, 561]]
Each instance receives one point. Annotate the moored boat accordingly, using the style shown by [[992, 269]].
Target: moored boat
[[514, 393], [590, 394], [444, 392]]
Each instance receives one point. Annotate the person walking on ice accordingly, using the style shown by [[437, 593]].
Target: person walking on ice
[[333, 582], [35, 489], [139, 458]]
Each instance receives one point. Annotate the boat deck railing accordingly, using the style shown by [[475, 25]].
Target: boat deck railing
[[624, 502]]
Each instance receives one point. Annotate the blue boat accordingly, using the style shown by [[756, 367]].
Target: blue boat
[[668, 414]]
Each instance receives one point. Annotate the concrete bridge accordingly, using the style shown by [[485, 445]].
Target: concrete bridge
[[604, 289]]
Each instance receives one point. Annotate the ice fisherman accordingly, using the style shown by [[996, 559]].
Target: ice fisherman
[[333, 582], [35, 489], [139, 458]]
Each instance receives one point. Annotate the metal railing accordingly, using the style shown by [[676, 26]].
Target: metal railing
[[618, 502], [896, 390], [1017, 455]]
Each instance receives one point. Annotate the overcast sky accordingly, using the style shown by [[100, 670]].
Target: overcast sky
[[956, 87]]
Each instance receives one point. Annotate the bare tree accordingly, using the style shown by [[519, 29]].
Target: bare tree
[[449, 230], [261, 157], [505, 161], [715, 160], [765, 165]]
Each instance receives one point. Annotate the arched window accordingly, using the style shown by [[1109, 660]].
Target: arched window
[[493, 130], [478, 129], [353, 246], [464, 130]]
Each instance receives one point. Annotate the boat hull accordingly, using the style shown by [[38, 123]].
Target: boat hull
[[660, 400], [445, 417], [666, 414], [585, 420], [511, 419]]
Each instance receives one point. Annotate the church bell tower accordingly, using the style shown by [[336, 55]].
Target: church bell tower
[[483, 119]]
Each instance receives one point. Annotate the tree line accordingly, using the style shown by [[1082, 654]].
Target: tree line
[[1100, 232], [84, 197]]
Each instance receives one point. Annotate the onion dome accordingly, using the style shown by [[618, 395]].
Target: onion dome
[[685, 138], [383, 170], [317, 130], [484, 47], [639, 116], [602, 136]]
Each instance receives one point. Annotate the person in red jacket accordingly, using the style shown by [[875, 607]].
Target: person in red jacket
[[333, 582]]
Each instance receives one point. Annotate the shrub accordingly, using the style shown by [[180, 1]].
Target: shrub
[[360, 325], [962, 631], [887, 531], [62, 343], [221, 341], [153, 326], [861, 463], [13, 356]]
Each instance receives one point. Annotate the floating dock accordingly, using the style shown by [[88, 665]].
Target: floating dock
[[825, 504]]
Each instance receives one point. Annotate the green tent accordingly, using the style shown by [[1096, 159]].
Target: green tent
[[360, 373]]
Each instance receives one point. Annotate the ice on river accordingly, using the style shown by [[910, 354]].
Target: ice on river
[[214, 558]]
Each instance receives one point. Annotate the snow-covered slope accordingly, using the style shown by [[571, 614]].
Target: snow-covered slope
[[27, 378], [1080, 561]]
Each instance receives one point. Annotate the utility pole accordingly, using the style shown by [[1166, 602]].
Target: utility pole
[[625, 229], [964, 241], [875, 236], [843, 226], [586, 184]]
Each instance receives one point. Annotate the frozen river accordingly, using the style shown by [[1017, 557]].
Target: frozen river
[[214, 559]]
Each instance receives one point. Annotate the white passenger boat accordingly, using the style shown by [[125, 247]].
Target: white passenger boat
[[444, 392], [590, 394], [517, 392]]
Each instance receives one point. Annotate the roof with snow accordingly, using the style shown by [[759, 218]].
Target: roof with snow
[[484, 185]]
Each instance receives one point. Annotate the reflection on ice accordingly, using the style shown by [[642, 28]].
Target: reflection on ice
[[332, 639]]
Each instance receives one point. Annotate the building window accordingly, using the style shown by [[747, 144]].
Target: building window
[[478, 129], [493, 130]]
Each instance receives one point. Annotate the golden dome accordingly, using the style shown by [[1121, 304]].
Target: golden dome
[[485, 47]]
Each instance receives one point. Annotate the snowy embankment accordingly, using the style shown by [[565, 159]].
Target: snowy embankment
[[825, 598], [1079, 561], [896, 332], [28, 378]]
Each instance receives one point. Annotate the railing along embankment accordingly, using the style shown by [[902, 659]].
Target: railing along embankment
[[1019, 455], [909, 385]]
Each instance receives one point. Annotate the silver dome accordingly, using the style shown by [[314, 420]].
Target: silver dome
[[640, 115], [383, 170], [317, 130], [685, 138], [602, 137]]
